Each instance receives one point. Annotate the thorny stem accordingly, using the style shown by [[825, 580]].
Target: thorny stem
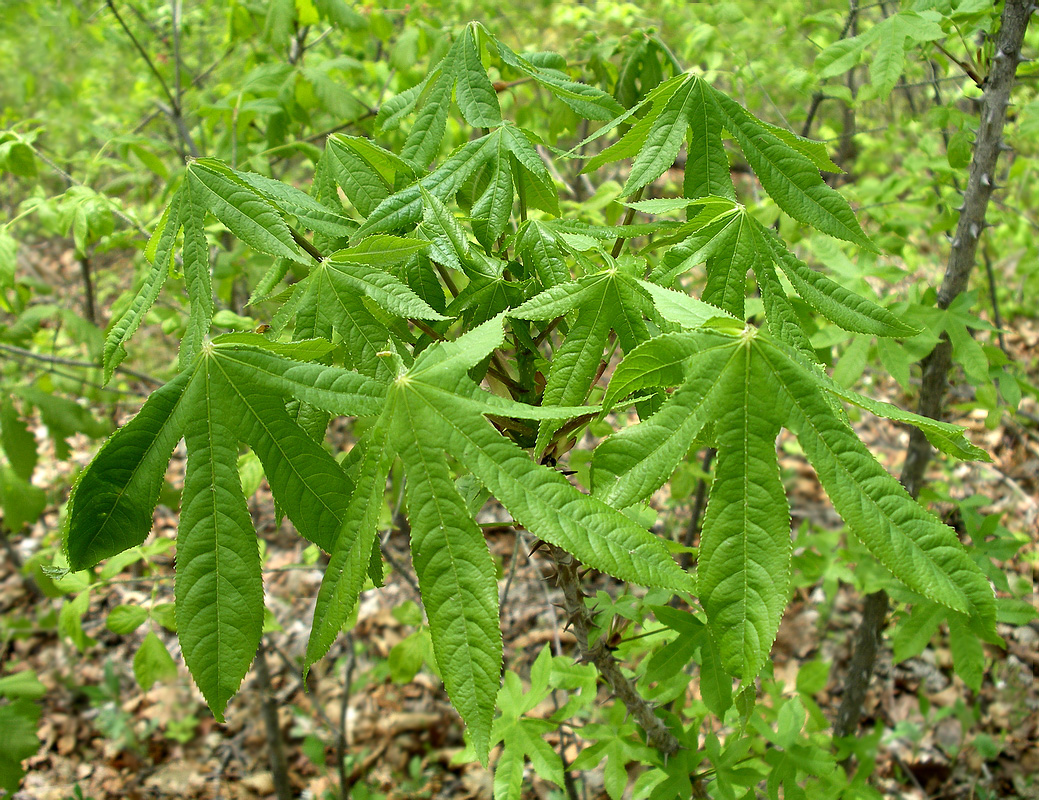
[[937, 364], [578, 616]]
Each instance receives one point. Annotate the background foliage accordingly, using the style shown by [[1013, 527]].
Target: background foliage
[[104, 105]]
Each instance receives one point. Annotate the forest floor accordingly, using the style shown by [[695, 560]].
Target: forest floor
[[103, 737]]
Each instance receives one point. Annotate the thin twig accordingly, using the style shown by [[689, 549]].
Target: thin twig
[[143, 53], [341, 741], [629, 215], [70, 362], [699, 504], [997, 316]]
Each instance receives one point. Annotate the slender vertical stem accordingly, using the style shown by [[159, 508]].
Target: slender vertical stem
[[345, 783], [272, 727], [177, 66], [89, 307], [629, 215], [597, 653], [699, 503]]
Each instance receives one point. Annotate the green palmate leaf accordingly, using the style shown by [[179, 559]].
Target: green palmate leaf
[[493, 207], [707, 164], [245, 212], [749, 386], [335, 390], [609, 300], [348, 564], [790, 178], [918, 549], [393, 110], [423, 142], [389, 292], [404, 209], [740, 249], [312, 489], [523, 737], [587, 101], [329, 303], [381, 251], [663, 139], [518, 143], [743, 574], [719, 236], [633, 463], [365, 172], [434, 408], [542, 253], [219, 591], [633, 140], [946, 437], [161, 255], [235, 391], [681, 309], [314, 215], [110, 507], [197, 275], [841, 306], [783, 322], [474, 93], [454, 568]]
